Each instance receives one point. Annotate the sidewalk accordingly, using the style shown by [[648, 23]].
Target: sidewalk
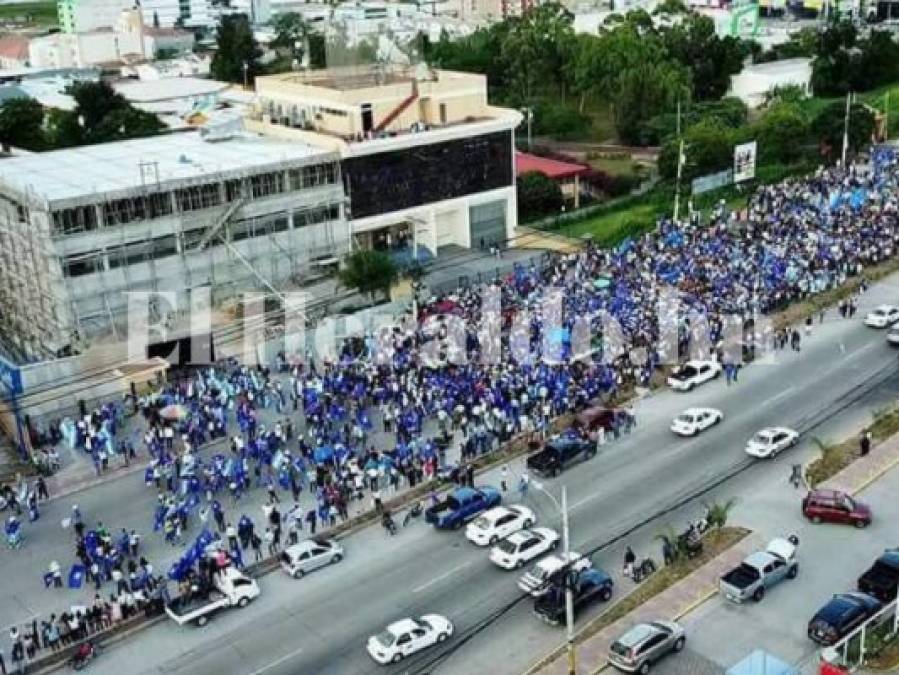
[[691, 592]]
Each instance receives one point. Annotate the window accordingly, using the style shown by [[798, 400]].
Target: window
[[198, 197], [401, 179], [233, 189], [266, 184], [317, 215], [163, 247], [313, 176], [81, 265], [74, 220]]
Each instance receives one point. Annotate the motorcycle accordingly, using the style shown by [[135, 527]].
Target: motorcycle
[[388, 524], [86, 653], [646, 567], [413, 513], [690, 542]]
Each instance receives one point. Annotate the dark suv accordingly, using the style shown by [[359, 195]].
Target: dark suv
[[882, 578], [558, 454], [840, 616], [833, 506]]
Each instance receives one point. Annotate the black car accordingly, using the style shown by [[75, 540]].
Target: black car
[[840, 616], [558, 454], [592, 585], [882, 579]]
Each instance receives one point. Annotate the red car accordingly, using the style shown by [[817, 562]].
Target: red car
[[833, 506]]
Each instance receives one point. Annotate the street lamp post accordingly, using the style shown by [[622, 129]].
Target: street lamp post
[[567, 580], [246, 68]]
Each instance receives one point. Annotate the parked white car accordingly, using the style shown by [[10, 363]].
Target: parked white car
[[523, 546], [537, 580], [771, 441], [499, 523], [693, 420], [310, 555], [692, 374], [407, 636], [883, 316]]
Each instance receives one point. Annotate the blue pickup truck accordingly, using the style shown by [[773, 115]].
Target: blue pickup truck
[[462, 505]]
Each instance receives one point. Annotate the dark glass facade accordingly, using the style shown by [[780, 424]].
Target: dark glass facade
[[390, 181]]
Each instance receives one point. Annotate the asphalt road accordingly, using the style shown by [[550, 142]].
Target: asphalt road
[[320, 624]]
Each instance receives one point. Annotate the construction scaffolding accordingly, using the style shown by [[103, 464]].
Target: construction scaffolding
[[67, 267]]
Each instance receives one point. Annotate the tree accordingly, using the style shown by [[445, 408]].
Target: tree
[[368, 272], [295, 37], [22, 124], [100, 115], [236, 49], [717, 513], [781, 134], [644, 91], [832, 68], [536, 49], [878, 61], [828, 128], [711, 59], [537, 196], [708, 148]]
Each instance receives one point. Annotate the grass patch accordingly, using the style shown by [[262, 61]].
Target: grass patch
[[882, 648], [30, 13], [837, 456], [616, 165]]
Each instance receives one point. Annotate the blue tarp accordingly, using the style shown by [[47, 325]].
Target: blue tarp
[[762, 663]]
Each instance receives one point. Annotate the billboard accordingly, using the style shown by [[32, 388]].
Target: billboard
[[712, 181], [744, 161]]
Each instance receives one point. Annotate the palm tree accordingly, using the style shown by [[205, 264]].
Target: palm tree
[[670, 541], [368, 272], [718, 512]]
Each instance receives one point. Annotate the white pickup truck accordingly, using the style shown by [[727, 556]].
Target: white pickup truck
[[231, 588], [761, 570]]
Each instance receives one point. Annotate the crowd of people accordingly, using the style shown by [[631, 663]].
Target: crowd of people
[[331, 437]]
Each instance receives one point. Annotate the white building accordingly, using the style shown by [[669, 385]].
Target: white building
[[82, 16], [124, 37], [752, 83], [81, 227], [423, 154]]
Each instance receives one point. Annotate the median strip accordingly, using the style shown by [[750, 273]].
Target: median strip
[[670, 592]]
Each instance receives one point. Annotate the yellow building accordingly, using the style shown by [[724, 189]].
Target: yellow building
[[426, 159]]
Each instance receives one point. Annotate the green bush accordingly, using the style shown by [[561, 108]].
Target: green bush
[[560, 121]]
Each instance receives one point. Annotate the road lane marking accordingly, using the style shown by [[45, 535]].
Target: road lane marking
[[786, 392], [440, 578], [277, 662]]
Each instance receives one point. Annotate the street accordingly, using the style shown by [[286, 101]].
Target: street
[[320, 624]]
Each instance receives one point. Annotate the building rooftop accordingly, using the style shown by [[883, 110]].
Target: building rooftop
[[125, 165], [781, 67], [147, 91], [551, 168]]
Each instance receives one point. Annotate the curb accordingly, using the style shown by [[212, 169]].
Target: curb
[[874, 477]]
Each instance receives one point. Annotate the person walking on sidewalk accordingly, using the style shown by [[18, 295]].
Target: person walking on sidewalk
[[865, 443], [629, 559]]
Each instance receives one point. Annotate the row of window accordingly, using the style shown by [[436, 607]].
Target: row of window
[[194, 198], [163, 247]]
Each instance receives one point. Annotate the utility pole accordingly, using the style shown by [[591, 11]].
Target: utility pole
[[886, 116], [846, 129], [680, 167], [569, 591]]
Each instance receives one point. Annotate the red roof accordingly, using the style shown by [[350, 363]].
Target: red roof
[[14, 46], [551, 168]]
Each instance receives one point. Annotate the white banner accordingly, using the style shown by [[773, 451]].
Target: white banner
[[744, 161]]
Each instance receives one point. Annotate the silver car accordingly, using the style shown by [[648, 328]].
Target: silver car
[[645, 643], [309, 555]]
